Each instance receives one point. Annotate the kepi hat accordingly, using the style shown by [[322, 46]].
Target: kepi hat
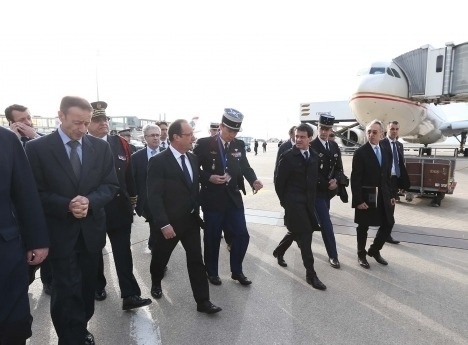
[[232, 119], [99, 110], [326, 120], [214, 125], [124, 132]]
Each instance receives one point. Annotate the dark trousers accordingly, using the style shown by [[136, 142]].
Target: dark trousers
[[394, 192], [189, 236], [322, 207], [15, 316], [382, 234], [304, 242], [72, 300], [121, 250], [232, 220]]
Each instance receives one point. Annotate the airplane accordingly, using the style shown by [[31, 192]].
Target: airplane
[[385, 92]]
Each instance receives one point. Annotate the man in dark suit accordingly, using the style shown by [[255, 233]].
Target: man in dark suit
[[288, 238], [23, 238], [164, 141], [224, 165], [173, 200], [20, 121], [76, 178], [119, 214], [152, 134], [295, 185], [372, 200], [399, 179]]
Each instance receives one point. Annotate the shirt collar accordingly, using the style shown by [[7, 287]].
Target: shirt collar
[[65, 138]]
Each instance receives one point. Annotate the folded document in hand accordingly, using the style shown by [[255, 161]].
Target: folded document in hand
[[370, 195]]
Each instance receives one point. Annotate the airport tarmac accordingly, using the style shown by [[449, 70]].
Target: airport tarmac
[[419, 298]]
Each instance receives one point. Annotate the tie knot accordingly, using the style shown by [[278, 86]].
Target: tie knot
[[306, 155], [226, 145], [73, 144], [163, 144], [153, 152], [182, 157]]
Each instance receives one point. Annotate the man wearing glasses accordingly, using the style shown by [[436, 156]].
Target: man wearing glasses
[[173, 200], [140, 159], [224, 165], [372, 200]]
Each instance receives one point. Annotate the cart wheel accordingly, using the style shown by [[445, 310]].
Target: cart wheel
[[409, 197]]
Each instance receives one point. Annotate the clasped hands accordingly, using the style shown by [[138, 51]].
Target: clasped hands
[[79, 206]]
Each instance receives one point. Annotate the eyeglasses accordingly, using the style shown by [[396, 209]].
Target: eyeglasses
[[372, 132], [187, 134], [153, 135]]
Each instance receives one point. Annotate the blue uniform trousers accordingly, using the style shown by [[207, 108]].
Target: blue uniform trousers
[[322, 207], [231, 220]]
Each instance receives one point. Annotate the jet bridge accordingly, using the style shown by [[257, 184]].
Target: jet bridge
[[436, 75]]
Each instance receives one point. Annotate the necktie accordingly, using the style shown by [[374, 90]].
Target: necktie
[[163, 144], [74, 158], [226, 146], [306, 155], [378, 154], [184, 168], [395, 160], [326, 146], [153, 152]]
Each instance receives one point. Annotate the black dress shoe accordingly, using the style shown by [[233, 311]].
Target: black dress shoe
[[363, 262], [207, 307], [391, 240], [156, 291], [89, 339], [215, 280], [334, 262], [241, 278], [280, 259], [316, 283], [132, 302], [378, 258], [100, 295]]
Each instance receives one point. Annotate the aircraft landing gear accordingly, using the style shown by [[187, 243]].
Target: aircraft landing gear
[[462, 141]]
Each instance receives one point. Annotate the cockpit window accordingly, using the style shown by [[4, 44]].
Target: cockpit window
[[389, 71], [377, 70], [395, 73]]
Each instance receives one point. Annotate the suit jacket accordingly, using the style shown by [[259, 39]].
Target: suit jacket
[[171, 199], [58, 185], [366, 172], [22, 227], [216, 197], [296, 186], [330, 166], [20, 207], [119, 211], [283, 148], [140, 169], [403, 180]]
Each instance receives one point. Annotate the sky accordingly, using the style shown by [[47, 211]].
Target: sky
[[181, 59]]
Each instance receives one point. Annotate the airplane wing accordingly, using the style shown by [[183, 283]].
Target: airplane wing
[[454, 128]]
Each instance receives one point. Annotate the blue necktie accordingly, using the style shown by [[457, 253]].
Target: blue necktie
[[378, 154], [153, 152], [185, 169], [395, 160]]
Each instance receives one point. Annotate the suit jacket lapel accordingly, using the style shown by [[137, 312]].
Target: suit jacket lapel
[[58, 150], [88, 158]]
